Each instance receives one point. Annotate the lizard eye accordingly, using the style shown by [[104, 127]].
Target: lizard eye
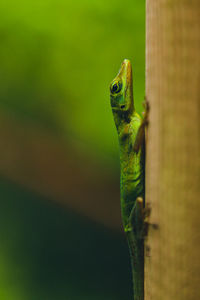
[[116, 87]]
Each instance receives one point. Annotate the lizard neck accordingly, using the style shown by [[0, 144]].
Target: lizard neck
[[121, 118]]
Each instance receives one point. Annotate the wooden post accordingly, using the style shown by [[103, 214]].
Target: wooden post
[[172, 270]]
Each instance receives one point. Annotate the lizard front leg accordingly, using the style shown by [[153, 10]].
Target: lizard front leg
[[140, 138]]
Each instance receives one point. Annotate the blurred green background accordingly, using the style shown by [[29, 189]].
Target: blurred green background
[[61, 234]]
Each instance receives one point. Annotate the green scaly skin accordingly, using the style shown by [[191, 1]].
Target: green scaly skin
[[132, 164]]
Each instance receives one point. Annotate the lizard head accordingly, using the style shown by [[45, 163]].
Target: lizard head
[[121, 89]]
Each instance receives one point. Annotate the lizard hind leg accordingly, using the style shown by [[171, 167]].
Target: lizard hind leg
[[136, 218], [139, 219]]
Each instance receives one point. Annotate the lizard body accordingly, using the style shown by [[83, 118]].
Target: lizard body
[[132, 170]]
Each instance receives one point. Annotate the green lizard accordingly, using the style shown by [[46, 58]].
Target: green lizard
[[131, 128]]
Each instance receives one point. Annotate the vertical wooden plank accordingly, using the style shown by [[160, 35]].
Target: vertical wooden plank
[[172, 270]]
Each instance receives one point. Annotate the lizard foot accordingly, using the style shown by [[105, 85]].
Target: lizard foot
[[139, 219]]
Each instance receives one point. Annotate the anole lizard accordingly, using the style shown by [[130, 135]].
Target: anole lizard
[[131, 133]]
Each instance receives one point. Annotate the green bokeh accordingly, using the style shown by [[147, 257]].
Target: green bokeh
[[58, 58], [50, 253]]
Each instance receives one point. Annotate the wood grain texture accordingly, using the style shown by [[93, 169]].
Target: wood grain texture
[[172, 271]]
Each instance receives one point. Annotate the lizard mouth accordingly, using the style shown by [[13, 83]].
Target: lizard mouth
[[117, 106]]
